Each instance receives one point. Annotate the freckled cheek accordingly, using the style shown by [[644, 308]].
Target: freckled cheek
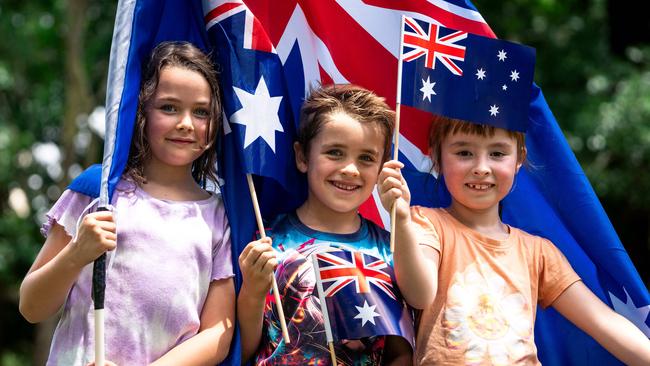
[[507, 170]]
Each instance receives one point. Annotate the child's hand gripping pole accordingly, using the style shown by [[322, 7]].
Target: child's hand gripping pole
[[99, 286], [260, 227]]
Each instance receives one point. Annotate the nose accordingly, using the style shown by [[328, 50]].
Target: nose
[[350, 169], [481, 168], [185, 122]]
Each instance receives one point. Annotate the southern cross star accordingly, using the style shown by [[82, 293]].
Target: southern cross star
[[628, 309], [480, 74], [514, 75], [502, 55]]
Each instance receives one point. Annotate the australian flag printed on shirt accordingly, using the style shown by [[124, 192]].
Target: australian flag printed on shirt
[[465, 76]]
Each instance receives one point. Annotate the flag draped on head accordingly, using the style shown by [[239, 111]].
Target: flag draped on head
[[270, 53]]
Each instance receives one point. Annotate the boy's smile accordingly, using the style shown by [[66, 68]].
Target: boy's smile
[[342, 166]]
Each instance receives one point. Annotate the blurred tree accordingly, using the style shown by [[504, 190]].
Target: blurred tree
[[52, 75]]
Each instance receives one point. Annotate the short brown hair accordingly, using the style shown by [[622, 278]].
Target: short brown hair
[[187, 56], [355, 101], [441, 127]]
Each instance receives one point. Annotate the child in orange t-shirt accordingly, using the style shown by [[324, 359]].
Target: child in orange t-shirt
[[476, 279]]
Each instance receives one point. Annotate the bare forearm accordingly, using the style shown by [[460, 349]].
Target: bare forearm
[[624, 340], [250, 314], [617, 334], [44, 290], [417, 276], [208, 347]]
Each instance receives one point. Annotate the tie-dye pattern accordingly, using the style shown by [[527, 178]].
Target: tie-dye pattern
[[167, 254]]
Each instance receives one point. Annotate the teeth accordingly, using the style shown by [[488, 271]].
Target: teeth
[[344, 186], [479, 186]]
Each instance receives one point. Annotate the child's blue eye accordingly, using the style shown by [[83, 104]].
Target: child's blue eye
[[168, 108], [464, 153], [367, 158], [202, 113], [498, 154], [334, 153]]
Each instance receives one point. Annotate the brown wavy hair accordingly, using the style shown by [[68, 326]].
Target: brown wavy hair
[[187, 56], [361, 104]]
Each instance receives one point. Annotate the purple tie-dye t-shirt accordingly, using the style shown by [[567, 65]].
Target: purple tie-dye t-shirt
[[167, 254]]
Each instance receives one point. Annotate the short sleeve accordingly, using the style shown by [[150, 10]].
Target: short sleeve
[[222, 248], [425, 230], [555, 274], [66, 212]]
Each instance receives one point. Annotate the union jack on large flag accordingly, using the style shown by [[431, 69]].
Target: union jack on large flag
[[359, 295], [332, 41]]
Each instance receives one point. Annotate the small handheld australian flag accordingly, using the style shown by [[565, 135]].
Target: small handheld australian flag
[[465, 76]]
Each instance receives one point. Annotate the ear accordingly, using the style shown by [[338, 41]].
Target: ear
[[434, 164], [521, 158], [301, 159]]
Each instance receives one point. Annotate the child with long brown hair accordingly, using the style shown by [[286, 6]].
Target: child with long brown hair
[[170, 297]]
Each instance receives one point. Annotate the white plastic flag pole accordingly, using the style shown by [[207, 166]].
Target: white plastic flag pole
[[398, 103], [323, 308]]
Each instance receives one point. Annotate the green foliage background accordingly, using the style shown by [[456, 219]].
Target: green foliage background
[[600, 99]]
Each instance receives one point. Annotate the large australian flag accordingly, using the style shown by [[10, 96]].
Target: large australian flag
[[259, 120]]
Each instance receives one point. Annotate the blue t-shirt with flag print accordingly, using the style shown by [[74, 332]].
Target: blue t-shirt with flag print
[[361, 293]]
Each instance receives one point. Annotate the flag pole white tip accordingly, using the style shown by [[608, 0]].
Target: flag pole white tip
[[99, 337]]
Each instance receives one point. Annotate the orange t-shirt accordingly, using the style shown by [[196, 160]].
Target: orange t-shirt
[[488, 292]]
